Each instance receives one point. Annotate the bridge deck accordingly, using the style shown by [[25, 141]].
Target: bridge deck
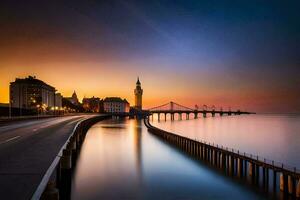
[[172, 107], [200, 111]]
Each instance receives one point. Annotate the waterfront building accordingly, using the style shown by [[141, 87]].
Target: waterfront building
[[138, 92], [30, 93], [115, 105], [93, 104], [58, 101], [73, 99]]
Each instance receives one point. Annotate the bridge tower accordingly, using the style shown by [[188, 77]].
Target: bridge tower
[[138, 92]]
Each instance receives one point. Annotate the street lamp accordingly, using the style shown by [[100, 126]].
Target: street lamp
[[37, 107]]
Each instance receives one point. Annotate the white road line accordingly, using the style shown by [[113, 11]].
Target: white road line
[[10, 139], [41, 127]]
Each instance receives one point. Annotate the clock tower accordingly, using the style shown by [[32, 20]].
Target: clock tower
[[138, 92]]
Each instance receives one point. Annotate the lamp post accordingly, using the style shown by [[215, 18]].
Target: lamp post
[[37, 107]]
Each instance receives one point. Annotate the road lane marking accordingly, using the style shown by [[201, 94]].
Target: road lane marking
[[75, 118], [10, 139], [42, 127]]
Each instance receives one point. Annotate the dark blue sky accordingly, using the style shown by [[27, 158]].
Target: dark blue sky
[[248, 49]]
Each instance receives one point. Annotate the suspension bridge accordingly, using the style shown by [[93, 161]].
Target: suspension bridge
[[173, 108]]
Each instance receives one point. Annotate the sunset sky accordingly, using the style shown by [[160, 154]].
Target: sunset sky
[[243, 54]]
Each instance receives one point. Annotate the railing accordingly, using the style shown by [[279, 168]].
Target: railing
[[258, 158]]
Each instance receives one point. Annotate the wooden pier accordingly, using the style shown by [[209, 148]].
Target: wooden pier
[[235, 163]]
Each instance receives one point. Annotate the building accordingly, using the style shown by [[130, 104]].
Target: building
[[138, 92], [73, 99], [58, 101], [31, 93], [93, 104], [116, 105]]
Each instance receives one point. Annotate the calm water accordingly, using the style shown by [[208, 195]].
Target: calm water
[[121, 160], [275, 137]]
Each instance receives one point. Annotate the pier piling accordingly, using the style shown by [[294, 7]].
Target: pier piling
[[230, 164], [283, 182], [298, 189], [291, 185], [257, 174], [274, 179], [251, 169], [239, 167], [222, 161]]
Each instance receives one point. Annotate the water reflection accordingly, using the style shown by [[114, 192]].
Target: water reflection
[[137, 140], [130, 163], [274, 137]]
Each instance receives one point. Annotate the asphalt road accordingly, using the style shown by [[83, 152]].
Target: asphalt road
[[27, 149]]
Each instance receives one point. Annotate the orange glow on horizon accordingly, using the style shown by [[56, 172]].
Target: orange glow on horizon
[[109, 83], [117, 78]]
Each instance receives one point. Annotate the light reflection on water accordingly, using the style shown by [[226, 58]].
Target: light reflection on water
[[121, 160], [275, 137]]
